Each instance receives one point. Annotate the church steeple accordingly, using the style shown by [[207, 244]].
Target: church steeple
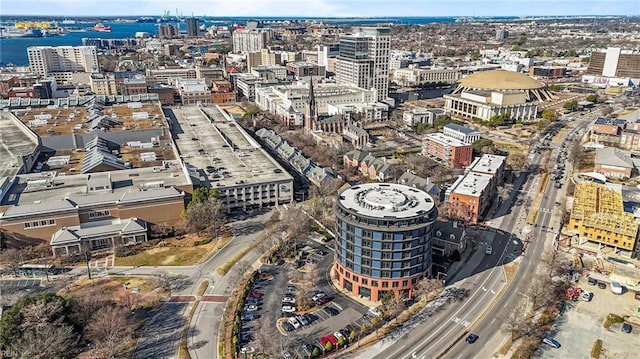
[[311, 110]]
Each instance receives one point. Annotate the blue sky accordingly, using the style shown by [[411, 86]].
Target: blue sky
[[333, 8]]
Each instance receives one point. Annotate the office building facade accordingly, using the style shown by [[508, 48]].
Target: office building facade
[[383, 239], [249, 41], [364, 59]]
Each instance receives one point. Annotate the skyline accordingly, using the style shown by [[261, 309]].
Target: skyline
[[321, 8]]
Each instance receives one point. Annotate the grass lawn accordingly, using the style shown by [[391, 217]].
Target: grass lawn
[[173, 252]]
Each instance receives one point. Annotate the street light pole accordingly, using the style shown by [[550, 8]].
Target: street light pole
[[88, 256]]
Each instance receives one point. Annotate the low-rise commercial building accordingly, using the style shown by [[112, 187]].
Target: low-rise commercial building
[[461, 133], [193, 92], [420, 115], [615, 163]]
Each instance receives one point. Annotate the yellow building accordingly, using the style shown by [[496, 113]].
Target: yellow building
[[598, 215]]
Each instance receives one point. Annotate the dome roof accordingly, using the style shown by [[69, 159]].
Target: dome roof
[[500, 80]]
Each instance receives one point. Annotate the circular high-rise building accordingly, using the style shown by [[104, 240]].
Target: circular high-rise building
[[383, 239]]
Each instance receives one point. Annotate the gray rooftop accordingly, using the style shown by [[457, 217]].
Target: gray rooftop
[[390, 200], [223, 146], [44, 189], [487, 164], [471, 184], [460, 128], [75, 234], [614, 157], [14, 145]]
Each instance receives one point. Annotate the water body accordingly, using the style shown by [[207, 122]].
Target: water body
[[14, 51]]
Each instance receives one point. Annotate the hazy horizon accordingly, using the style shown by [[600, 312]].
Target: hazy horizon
[[321, 8]]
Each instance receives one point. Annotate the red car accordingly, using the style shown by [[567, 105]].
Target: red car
[[333, 340], [324, 341], [323, 300], [255, 294]]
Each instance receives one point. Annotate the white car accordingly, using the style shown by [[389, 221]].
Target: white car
[[489, 250], [293, 321], [250, 308], [247, 350], [339, 335], [289, 299], [288, 309], [374, 311], [318, 296]]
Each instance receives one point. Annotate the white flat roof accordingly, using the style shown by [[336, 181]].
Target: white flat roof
[[471, 184], [487, 164], [445, 140], [386, 200]]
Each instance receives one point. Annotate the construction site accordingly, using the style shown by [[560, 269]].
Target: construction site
[[598, 216]]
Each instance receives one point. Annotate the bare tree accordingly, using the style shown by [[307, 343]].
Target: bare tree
[[303, 300], [130, 300], [11, 257], [313, 274], [428, 288], [208, 215], [85, 306], [110, 330], [516, 324], [537, 290]]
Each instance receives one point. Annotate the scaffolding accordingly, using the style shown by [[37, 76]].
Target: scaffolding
[[598, 214]]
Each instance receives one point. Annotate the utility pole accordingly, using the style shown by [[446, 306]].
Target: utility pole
[[88, 256]]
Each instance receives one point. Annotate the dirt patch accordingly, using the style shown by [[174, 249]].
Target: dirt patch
[[510, 270], [173, 252]]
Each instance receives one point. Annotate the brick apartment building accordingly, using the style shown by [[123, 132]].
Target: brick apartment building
[[448, 150]]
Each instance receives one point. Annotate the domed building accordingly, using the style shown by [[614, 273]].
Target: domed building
[[489, 93]]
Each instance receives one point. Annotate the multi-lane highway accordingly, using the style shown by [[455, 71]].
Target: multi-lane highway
[[543, 233], [488, 305]]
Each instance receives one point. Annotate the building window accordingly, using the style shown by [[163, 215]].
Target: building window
[[365, 281], [42, 223], [395, 284], [385, 284], [98, 214], [405, 283]]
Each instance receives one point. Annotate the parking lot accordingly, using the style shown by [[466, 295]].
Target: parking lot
[[282, 280], [582, 325]]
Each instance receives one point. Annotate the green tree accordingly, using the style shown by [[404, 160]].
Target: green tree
[[549, 115], [202, 194], [252, 110], [315, 352], [481, 144], [554, 87], [328, 347], [592, 98], [441, 121], [421, 128], [570, 105]]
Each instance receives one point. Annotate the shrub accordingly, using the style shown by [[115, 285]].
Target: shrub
[[341, 342], [597, 347], [328, 347], [202, 242], [315, 352]]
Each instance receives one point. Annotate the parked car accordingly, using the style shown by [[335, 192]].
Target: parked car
[[331, 311], [592, 281], [616, 288], [554, 343], [293, 321], [289, 299], [318, 296], [374, 311], [323, 300], [626, 327], [602, 285], [287, 326], [302, 320], [307, 348], [255, 294], [324, 341], [245, 337], [247, 350], [339, 335], [488, 250], [587, 296], [248, 316], [250, 308], [472, 338], [332, 338], [288, 309]]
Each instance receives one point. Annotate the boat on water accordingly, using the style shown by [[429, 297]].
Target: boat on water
[[10, 33], [102, 27]]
